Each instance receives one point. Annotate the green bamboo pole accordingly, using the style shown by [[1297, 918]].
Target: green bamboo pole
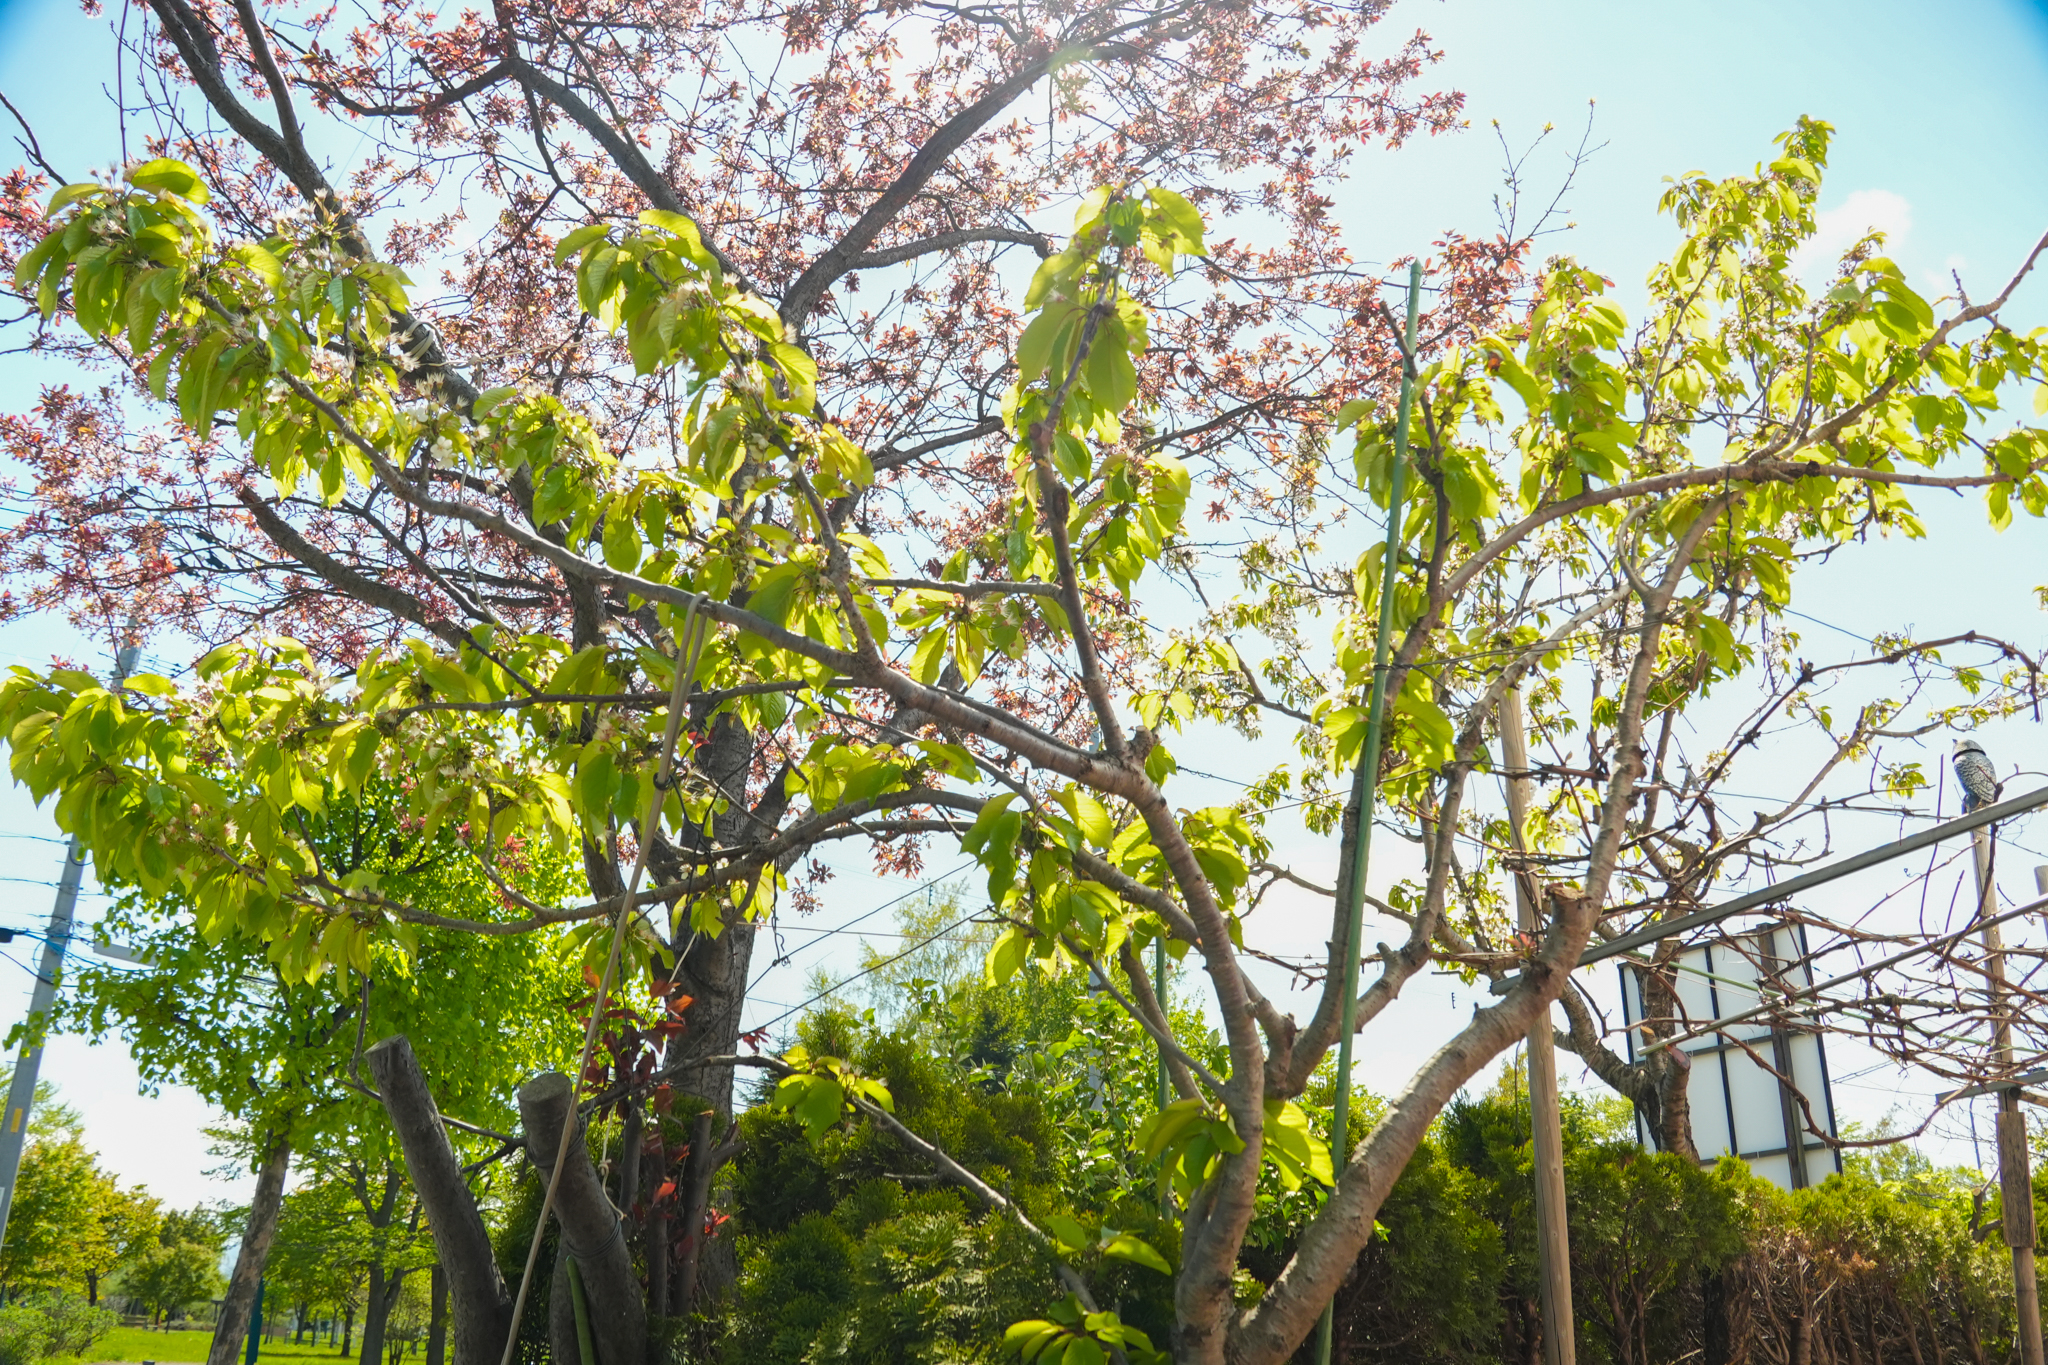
[[1364, 785], [1165, 1085]]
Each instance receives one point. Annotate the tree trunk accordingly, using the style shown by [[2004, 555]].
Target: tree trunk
[[1714, 1309], [714, 970], [630, 1140], [377, 1311], [437, 1320], [231, 1325], [92, 1289], [348, 1330], [655, 1248], [589, 1231], [695, 1189], [483, 1308]]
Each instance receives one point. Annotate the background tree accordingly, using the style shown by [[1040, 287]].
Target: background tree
[[129, 1220], [313, 1261], [181, 1268], [279, 1056], [71, 1222]]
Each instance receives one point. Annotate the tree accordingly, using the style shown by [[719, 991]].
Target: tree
[[180, 1268], [313, 1262], [280, 1056], [1603, 572], [128, 1222], [70, 1222], [917, 210]]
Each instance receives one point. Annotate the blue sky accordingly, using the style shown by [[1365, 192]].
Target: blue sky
[[1938, 111]]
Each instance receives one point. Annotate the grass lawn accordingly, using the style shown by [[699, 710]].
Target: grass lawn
[[186, 1347]]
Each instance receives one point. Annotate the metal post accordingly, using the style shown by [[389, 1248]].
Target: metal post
[[1165, 1084], [1365, 783], [255, 1327], [1553, 1242], [2015, 1181], [28, 1065], [1159, 993]]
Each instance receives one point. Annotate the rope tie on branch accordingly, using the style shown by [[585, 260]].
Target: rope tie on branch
[[592, 1253], [690, 640]]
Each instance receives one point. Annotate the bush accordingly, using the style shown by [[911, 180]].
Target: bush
[[34, 1329], [26, 1334]]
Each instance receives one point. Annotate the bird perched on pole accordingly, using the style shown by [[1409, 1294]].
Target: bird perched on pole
[[1974, 771]]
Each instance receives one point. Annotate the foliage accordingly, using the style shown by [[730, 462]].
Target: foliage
[[1426, 1286], [40, 1326], [214, 1013], [70, 1222], [1593, 503], [1016, 1082], [169, 1278]]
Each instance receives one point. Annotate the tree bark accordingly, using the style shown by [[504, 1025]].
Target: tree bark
[[714, 971], [696, 1189], [231, 1325], [468, 1266], [630, 1140], [348, 1331], [589, 1229]]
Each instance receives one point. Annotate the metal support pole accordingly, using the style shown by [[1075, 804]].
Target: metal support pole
[[1159, 994], [255, 1327], [1165, 1082], [28, 1065], [1553, 1242], [1365, 783], [2015, 1181]]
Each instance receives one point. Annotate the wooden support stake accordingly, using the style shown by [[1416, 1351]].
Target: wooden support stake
[[1553, 1243], [2015, 1181]]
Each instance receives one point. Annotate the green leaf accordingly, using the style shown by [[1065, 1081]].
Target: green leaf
[[1036, 347], [577, 240], [1007, 957], [66, 194], [802, 373], [167, 176], [675, 224], [1124, 1246], [775, 595], [1184, 218], [490, 400], [1348, 415], [1068, 1230], [1112, 378]]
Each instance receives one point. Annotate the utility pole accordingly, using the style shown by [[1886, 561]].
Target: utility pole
[[2015, 1181], [1553, 1244], [21, 1095]]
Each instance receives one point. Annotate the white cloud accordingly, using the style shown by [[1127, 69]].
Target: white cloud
[[1841, 227]]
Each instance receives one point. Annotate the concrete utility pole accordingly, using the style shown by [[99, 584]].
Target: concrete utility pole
[[2015, 1180], [1553, 1243], [21, 1094]]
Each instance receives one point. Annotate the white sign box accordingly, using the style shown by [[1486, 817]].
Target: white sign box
[[1738, 1106]]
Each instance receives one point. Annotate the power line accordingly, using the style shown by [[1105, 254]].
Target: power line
[[823, 934], [865, 971]]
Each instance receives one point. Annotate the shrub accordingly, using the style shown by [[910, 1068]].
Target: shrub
[[36, 1328]]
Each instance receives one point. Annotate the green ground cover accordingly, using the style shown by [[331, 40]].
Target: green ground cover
[[186, 1347]]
